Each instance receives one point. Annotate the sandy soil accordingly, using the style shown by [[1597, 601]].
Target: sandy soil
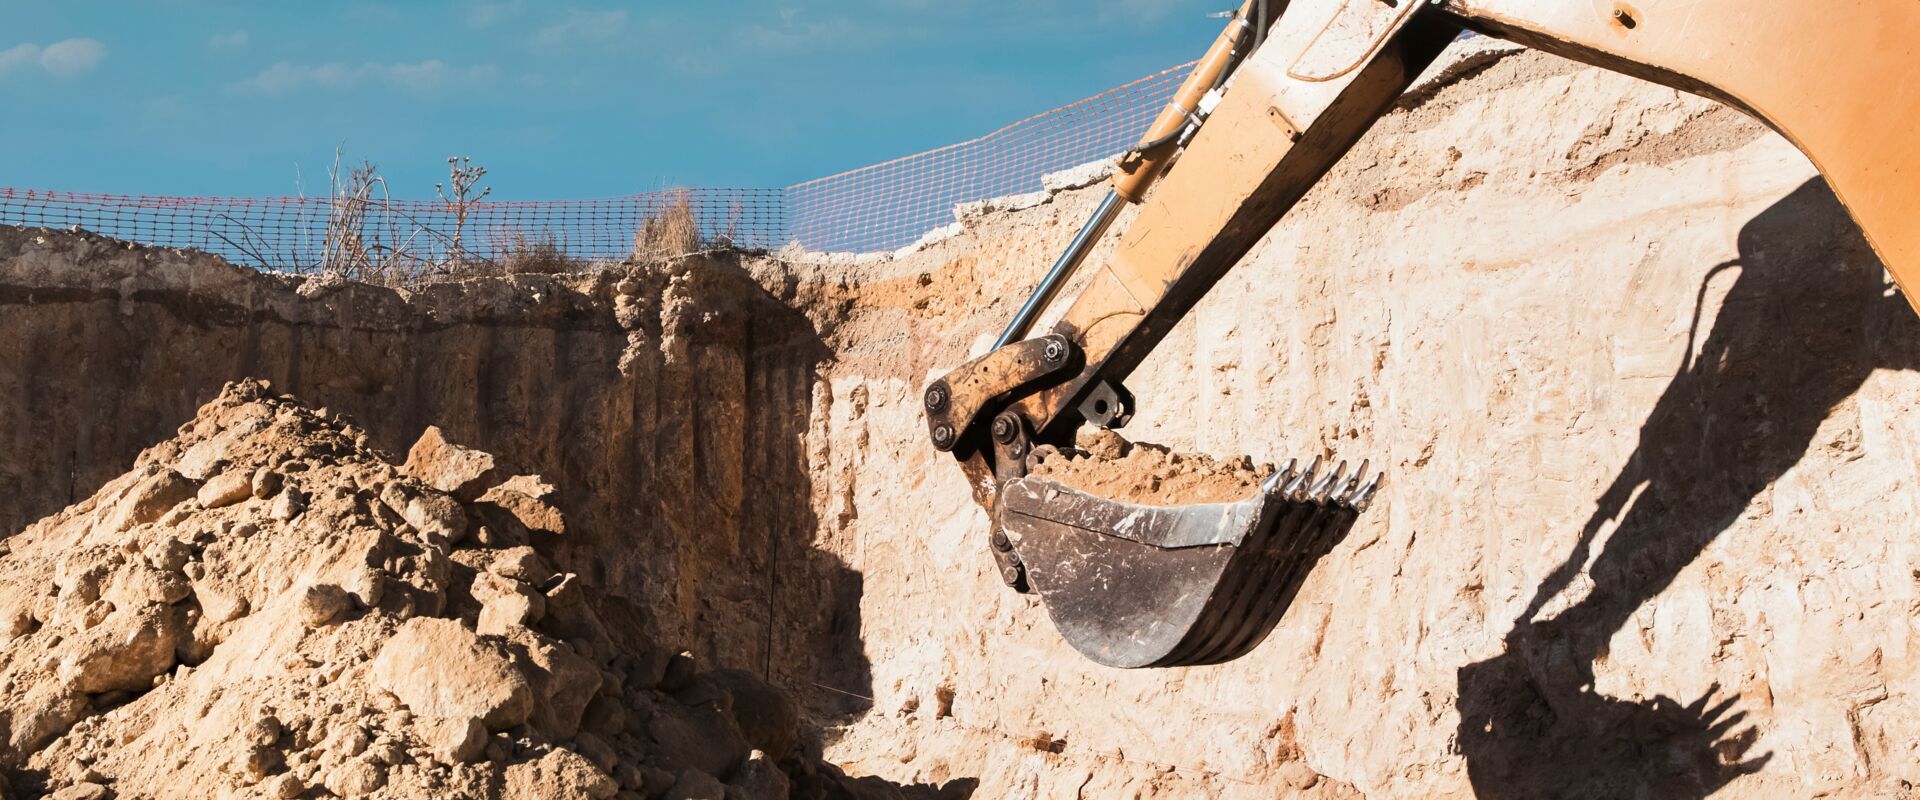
[[1108, 465]]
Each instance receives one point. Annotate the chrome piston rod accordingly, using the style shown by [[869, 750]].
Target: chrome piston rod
[[1083, 243]]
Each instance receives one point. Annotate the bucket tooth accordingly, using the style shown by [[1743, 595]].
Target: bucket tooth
[[1346, 493], [1326, 484], [1363, 496], [1297, 490], [1132, 585], [1280, 476]]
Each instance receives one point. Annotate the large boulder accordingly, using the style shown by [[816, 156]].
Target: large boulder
[[460, 471], [148, 499], [125, 651], [440, 668]]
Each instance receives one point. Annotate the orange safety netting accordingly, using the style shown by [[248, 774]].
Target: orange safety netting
[[873, 209]]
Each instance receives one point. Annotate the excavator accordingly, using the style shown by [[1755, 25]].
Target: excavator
[[1283, 93]]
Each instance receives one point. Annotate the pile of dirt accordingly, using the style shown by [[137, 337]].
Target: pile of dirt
[[1108, 465], [267, 607]]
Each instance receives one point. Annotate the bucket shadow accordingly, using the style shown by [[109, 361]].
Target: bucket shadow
[[1806, 320]]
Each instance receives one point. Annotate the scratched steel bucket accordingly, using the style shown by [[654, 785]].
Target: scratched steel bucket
[[1132, 585]]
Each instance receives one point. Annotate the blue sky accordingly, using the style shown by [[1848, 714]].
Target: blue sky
[[557, 99]]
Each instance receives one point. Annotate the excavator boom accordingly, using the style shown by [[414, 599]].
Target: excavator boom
[[1276, 103]]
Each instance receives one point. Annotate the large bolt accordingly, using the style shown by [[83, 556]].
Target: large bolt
[[936, 397], [1010, 575], [1004, 428], [1055, 350], [943, 436], [1001, 542]]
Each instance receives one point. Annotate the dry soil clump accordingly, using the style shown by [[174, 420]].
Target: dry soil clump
[[266, 607], [1137, 472]]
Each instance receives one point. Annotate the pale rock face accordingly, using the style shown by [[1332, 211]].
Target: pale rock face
[[440, 668], [150, 581], [1644, 396], [200, 461]]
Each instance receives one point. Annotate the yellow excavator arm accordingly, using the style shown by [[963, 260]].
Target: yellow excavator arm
[[1281, 96]]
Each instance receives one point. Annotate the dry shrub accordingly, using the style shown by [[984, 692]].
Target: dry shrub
[[465, 193], [360, 201], [529, 255], [675, 231], [344, 250]]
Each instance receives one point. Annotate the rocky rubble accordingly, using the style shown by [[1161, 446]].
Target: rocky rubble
[[267, 607]]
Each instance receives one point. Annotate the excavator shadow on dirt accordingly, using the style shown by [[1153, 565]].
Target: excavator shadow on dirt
[[1789, 345]]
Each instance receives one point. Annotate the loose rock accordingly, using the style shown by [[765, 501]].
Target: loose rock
[[323, 603], [225, 489], [460, 471], [440, 668]]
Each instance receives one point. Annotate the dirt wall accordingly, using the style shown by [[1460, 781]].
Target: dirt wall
[[1638, 383], [668, 402]]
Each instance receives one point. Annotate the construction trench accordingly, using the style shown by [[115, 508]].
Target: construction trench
[[675, 530]]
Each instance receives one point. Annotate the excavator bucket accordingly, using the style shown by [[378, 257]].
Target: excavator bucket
[[1163, 586]]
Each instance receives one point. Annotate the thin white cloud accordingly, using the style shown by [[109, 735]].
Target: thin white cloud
[[63, 58], [486, 14], [18, 55], [580, 27], [794, 35], [232, 40], [425, 76], [72, 56]]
